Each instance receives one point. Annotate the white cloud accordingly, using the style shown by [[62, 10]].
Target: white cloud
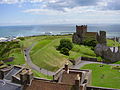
[[9, 1], [43, 11]]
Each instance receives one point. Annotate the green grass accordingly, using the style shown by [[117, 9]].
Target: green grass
[[40, 75], [45, 55], [111, 43], [39, 45], [81, 50], [111, 78], [19, 57], [117, 62], [28, 41]]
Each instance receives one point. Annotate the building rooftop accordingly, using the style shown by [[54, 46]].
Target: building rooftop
[[64, 79], [4, 85]]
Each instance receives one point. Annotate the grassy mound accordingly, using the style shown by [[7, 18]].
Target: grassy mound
[[104, 76], [81, 50], [45, 55]]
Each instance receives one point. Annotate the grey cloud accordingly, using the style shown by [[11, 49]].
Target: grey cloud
[[61, 4], [114, 5]]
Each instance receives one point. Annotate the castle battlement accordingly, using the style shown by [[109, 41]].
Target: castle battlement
[[81, 34]]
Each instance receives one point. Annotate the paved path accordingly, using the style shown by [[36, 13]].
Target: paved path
[[82, 63], [32, 65]]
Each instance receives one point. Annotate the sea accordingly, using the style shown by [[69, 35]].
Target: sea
[[113, 30]]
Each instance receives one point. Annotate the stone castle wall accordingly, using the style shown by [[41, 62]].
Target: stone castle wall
[[108, 54], [81, 32], [101, 48]]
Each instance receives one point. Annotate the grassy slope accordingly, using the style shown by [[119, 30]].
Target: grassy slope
[[117, 62], [45, 55], [111, 43], [30, 40], [37, 74], [81, 50], [19, 57], [111, 77], [13, 49]]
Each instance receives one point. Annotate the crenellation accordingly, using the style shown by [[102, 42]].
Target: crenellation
[[101, 48], [81, 34]]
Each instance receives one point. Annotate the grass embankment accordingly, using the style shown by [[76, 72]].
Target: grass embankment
[[45, 55], [104, 76], [28, 41], [37, 74], [117, 62], [12, 49], [19, 57], [112, 43], [81, 50]]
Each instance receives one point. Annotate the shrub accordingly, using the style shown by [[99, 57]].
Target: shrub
[[64, 51], [91, 43], [21, 38], [65, 46], [66, 43]]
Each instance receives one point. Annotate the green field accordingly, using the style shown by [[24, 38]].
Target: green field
[[104, 76]]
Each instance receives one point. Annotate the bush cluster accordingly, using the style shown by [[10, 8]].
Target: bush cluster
[[6, 47], [65, 46], [91, 43]]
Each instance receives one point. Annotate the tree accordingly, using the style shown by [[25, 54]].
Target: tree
[[66, 43], [64, 51], [90, 43], [65, 46]]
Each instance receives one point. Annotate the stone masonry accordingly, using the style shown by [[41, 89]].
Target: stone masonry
[[101, 48], [82, 34]]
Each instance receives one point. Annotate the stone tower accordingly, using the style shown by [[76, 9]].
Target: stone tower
[[102, 38], [81, 30], [80, 34]]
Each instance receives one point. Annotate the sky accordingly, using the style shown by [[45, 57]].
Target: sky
[[28, 12]]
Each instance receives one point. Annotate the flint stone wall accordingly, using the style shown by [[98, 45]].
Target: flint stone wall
[[105, 52]]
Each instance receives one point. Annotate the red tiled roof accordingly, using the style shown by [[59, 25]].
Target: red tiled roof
[[46, 85]]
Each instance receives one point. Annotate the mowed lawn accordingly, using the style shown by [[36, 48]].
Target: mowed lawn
[[104, 76], [45, 55]]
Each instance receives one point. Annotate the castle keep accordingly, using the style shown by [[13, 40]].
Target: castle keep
[[101, 48], [82, 34]]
